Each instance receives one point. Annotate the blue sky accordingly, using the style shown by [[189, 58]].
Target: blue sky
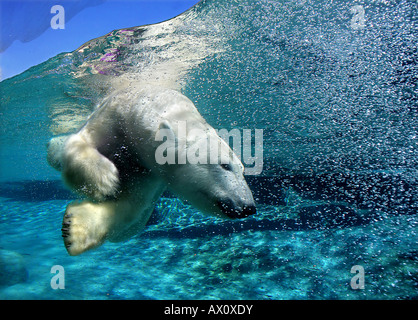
[[30, 21]]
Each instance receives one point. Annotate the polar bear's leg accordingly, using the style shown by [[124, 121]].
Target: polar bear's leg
[[87, 171], [86, 225]]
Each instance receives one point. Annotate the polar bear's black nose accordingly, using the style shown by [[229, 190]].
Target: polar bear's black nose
[[232, 211]]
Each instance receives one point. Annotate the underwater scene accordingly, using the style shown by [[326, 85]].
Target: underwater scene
[[326, 94]]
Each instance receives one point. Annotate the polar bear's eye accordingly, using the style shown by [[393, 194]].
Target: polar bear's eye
[[226, 166]]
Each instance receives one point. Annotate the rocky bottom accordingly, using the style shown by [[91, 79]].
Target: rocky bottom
[[183, 255]]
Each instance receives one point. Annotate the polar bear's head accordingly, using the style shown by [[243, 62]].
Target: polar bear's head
[[212, 182], [218, 190]]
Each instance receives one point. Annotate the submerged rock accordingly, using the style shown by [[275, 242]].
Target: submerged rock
[[12, 268]]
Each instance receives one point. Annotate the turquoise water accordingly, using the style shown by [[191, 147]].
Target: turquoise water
[[191, 257], [337, 100]]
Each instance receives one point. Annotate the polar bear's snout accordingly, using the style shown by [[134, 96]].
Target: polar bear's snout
[[231, 210]]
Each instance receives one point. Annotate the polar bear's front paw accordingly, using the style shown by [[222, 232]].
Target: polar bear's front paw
[[92, 175], [103, 180], [81, 230]]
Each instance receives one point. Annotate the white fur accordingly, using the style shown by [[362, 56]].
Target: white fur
[[89, 172], [114, 220], [123, 186]]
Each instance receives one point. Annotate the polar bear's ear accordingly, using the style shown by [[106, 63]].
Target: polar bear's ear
[[166, 125], [165, 130]]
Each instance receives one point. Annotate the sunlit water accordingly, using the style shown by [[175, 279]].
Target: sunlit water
[[333, 86]]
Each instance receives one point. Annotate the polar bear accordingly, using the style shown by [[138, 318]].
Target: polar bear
[[112, 161]]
